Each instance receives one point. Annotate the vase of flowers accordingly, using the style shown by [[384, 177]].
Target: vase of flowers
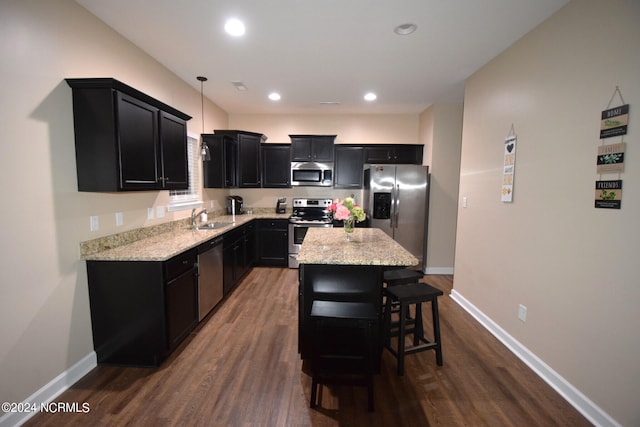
[[349, 212]]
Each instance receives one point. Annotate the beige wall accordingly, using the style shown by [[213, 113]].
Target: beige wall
[[571, 265], [44, 306], [440, 129], [350, 129]]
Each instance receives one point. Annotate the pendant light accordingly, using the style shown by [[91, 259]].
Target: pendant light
[[204, 148]]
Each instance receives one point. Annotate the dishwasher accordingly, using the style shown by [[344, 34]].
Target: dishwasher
[[210, 266]]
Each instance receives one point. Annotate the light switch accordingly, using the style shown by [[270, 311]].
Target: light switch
[[149, 213], [118, 219], [94, 224], [160, 211]]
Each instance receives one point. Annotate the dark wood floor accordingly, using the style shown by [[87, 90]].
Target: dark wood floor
[[241, 368]]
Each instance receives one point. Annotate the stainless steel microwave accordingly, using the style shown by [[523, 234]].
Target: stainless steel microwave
[[311, 174]]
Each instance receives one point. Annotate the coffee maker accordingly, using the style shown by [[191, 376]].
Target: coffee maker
[[235, 205]]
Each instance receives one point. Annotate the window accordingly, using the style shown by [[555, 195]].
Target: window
[[189, 198]]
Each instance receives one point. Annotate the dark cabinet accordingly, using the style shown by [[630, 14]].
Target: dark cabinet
[[239, 255], [276, 165], [141, 310], [221, 170], [273, 249], [239, 164], [393, 154], [126, 140], [348, 167], [312, 148]]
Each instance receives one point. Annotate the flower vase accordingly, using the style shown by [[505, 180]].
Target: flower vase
[[348, 228]]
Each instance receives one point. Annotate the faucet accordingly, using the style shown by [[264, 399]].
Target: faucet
[[195, 215]]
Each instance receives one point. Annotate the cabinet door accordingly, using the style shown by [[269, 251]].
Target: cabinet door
[[276, 166], [138, 144], [181, 296], [272, 241], [322, 148], [374, 155], [173, 140], [301, 149], [348, 167], [408, 154], [248, 161], [213, 171]]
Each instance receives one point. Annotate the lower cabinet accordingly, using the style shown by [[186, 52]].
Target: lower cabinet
[[239, 255], [142, 310], [273, 249]]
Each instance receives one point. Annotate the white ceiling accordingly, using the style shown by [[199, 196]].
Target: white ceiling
[[313, 51]]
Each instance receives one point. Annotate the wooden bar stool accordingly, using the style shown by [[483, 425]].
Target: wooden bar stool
[[406, 295], [344, 346]]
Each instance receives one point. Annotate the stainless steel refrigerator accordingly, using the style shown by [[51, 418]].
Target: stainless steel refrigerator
[[397, 198]]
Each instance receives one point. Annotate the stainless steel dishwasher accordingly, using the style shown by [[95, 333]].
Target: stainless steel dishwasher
[[210, 290]]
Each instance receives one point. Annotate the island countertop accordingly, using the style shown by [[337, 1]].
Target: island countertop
[[368, 246]]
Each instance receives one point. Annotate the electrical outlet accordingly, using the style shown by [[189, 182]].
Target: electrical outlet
[[94, 224], [149, 213], [522, 313], [464, 202], [118, 219]]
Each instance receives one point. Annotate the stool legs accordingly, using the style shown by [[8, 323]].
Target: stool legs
[[436, 330], [404, 296]]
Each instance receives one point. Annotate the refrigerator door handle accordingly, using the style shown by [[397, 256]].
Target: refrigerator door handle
[[397, 209]]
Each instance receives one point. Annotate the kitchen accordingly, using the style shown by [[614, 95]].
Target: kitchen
[[48, 303]]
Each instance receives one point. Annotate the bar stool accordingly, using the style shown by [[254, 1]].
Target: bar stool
[[344, 345], [406, 295], [401, 276]]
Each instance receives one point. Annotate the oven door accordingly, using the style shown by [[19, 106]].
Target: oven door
[[296, 236]]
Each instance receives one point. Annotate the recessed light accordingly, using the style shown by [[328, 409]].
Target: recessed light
[[370, 96], [274, 96], [405, 29], [234, 27]]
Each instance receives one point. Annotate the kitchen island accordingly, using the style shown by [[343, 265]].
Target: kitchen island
[[332, 268]]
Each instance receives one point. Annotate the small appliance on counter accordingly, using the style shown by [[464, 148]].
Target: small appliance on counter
[[235, 205], [281, 205]]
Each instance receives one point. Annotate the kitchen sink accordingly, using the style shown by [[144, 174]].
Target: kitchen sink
[[213, 225]]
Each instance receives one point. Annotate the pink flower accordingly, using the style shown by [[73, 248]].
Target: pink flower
[[342, 213]]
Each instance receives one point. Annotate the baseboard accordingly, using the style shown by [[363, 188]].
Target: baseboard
[[438, 270], [571, 394], [51, 390]]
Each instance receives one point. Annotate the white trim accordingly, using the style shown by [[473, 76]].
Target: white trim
[[439, 270], [53, 389], [575, 397]]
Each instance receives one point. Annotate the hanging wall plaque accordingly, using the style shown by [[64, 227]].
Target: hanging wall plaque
[[614, 121], [609, 194], [508, 168]]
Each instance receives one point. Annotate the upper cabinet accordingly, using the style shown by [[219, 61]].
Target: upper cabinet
[[235, 159], [126, 140], [348, 170], [276, 165], [312, 148], [394, 154]]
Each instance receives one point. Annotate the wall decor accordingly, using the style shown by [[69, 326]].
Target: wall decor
[[509, 166], [609, 194], [614, 121], [610, 158]]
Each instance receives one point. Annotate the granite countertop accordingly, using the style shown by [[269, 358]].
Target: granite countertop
[[368, 246], [175, 240]]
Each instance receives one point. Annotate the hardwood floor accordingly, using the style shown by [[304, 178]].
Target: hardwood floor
[[241, 368]]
